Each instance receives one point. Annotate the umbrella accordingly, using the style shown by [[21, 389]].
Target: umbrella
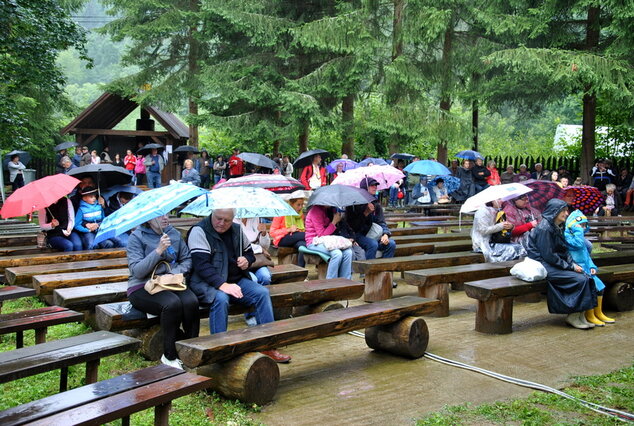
[[374, 161], [104, 175], [339, 196], [64, 145], [146, 206], [469, 155], [247, 202], [37, 195], [120, 188], [306, 157], [427, 167], [452, 183], [586, 198], [258, 160], [402, 156], [274, 183], [504, 192], [184, 148], [347, 165], [543, 190], [385, 175], [25, 157], [149, 147]]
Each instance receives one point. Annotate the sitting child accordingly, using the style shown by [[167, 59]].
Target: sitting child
[[88, 218], [580, 249]]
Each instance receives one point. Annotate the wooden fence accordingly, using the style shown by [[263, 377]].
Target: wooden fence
[[553, 163]]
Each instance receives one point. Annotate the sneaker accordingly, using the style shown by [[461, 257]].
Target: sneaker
[[394, 285], [176, 363], [251, 321]]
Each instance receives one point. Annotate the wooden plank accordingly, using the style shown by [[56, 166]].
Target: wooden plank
[[17, 240], [452, 246], [416, 262], [287, 273], [87, 297], [431, 238], [59, 257], [49, 356], [115, 316], [613, 258], [495, 288], [37, 318], [22, 250], [409, 249], [459, 274], [129, 402], [46, 284], [224, 346], [12, 292], [54, 404], [24, 274], [414, 230]]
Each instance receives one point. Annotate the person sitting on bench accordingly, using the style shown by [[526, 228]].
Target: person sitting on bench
[[88, 218], [570, 290], [523, 216], [321, 221], [221, 255], [150, 244], [288, 231], [491, 234], [57, 221]]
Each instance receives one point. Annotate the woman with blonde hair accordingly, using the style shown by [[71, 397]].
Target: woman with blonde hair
[[190, 174]]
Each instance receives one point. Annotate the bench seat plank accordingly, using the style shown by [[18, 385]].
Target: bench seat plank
[[431, 238], [23, 250], [414, 230], [507, 286], [129, 402], [48, 356], [54, 404], [24, 274], [14, 292], [460, 273], [46, 284], [37, 318], [415, 262], [58, 257], [224, 346], [18, 240], [87, 297]]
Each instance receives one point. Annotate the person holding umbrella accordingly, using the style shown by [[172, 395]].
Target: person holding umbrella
[[58, 221], [321, 221], [523, 216], [236, 165], [15, 172], [59, 156], [154, 164], [314, 175]]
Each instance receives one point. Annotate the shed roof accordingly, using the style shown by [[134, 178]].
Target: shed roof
[[110, 109]]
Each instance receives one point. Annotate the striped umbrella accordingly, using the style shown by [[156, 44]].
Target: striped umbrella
[[585, 198], [543, 190]]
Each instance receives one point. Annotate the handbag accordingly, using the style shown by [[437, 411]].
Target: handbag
[[261, 259], [158, 283], [333, 242], [375, 233], [503, 236]]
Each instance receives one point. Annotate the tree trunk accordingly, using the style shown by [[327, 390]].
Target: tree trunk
[[192, 64], [193, 129], [445, 96], [276, 147], [304, 131], [589, 120], [347, 117], [393, 98], [475, 116]]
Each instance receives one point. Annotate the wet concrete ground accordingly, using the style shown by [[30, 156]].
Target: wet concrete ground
[[340, 380]]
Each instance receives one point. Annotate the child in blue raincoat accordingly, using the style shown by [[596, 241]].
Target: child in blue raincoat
[[580, 249]]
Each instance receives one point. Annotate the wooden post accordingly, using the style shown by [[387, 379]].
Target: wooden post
[[19, 339], [152, 343], [408, 337], [92, 371], [40, 335], [63, 379], [252, 378], [495, 316], [162, 414], [440, 292], [378, 286], [322, 270]]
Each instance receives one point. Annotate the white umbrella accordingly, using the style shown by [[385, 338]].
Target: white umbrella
[[496, 192]]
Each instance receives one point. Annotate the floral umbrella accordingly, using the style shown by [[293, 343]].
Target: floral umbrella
[[385, 175]]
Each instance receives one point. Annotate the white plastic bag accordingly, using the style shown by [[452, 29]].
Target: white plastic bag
[[529, 270]]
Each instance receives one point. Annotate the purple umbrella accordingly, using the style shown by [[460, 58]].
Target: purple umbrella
[[347, 165]]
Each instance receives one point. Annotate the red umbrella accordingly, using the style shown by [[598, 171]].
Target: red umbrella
[[543, 190], [37, 195], [585, 198], [274, 183]]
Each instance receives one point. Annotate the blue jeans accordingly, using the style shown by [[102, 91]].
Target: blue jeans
[[70, 243], [340, 264], [393, 196], [371, 246], [88, 238], [153, 179], [204, 181], [480, 188], [263, 275], [253, 294]]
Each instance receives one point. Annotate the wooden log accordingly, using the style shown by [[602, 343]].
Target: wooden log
[[378, 287], [251, 378], [495, 316], [439, 292], [326, 306], [151, 343], [45, 284], [619, 297], [408, 337], [59, 257], [322, 270], [24, 274]]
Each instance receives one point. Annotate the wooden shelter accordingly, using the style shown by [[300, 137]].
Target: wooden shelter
[[94, 127]]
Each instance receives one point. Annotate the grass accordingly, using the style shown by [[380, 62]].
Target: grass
[[614, 390], [200, 408]]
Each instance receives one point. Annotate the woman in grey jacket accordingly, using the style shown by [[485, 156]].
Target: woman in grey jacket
[[151, 243]]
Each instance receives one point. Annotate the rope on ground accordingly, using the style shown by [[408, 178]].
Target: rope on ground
[[621, 415]]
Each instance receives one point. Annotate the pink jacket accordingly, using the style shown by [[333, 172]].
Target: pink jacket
[[317, 224]]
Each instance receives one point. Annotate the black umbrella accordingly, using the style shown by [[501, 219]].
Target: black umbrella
[[104, 175], [340, 196], [402, 156], [65, 145], [186, 148], [25, 157], [258, 160], [149, 147], [306, 158]]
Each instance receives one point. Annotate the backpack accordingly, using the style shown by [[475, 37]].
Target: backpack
[[503, 236]]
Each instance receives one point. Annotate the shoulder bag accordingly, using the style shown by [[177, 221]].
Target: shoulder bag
[[171, 282]]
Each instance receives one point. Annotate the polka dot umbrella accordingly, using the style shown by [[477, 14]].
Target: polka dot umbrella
[[585, 198]]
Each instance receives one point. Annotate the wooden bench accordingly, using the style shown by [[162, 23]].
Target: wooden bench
[[111, 399], [24, 274], [414, 230], [88, 348], [38, 320], [378, 272], [431, 238], [59, 257], [618, 246], [18, 239], [238, 370], [494, 312], [318, 295], [12, 292], [22, 250]]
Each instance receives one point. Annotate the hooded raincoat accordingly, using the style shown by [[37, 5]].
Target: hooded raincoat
[[568, 291], [484, 225], [579, 247]]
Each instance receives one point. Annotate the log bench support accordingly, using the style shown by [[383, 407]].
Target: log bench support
[[408, 337], [495, 316], [439, 292], [378, 286]]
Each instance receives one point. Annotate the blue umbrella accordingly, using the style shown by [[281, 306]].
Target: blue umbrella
[[374, 161], [25, 157], [469, 155], [347, 165], [402, 156], [247, 202], [120, 188], [146, 206], [452, 183], [427, 167]]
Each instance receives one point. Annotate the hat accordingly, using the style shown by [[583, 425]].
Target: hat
[[294, 195], [88, 190], [367, 182]]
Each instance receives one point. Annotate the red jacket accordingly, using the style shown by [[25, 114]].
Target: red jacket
[[236, 166], [307, 173]]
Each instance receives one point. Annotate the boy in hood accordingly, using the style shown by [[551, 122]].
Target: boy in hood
[[88, 219]]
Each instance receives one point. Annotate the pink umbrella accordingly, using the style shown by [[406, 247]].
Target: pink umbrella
[[385, 175]]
